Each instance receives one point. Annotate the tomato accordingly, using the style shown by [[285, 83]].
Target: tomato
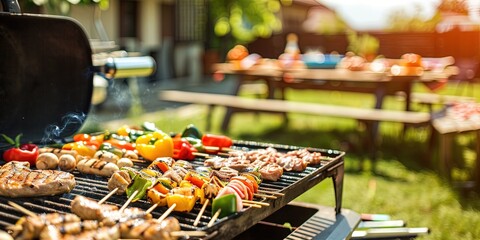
[[411, 60]]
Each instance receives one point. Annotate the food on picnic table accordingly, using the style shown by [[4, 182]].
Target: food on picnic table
[[352, 62], [18, 180], [411, 60], [238, 52], [27, 152]]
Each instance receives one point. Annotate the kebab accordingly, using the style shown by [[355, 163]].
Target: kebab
[[69, 226], [183, 191]]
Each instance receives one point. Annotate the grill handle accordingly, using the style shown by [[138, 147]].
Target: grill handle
[[11, 6], [125, 67]]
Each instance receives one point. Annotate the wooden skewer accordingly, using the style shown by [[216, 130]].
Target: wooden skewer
[[22, 209], [214, 148], [108, 196], [138, 160], [197, 220], [264, 196], [129, 200], [251, 205], [188, 233], [255, 202], [166, 213], [271, 192], [214, 218], [204, 155], [151, 208]]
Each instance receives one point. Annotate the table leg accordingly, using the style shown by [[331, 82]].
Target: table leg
[[338, 187], [445, 154], [271, 95], [230, 111], [477, 163], [379, 96]]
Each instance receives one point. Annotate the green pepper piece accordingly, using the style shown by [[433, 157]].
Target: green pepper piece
[[109, 148], [192, 131], [134, 134], [149, 127], [228, 204], [196, 143], [132, 172], [141, 183]]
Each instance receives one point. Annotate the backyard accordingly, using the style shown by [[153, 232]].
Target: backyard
[[403, 185]]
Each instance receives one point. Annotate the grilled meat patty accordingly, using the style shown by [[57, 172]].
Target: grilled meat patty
[[18, 180]]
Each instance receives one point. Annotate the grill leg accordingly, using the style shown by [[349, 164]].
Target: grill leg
[[338, 187]]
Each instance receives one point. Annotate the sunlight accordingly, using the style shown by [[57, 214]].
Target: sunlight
[[373, 14]]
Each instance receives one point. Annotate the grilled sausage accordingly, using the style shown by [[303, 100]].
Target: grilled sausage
[[97, 167], [47, 161], [67, 162], [57, 151], [106, 156]]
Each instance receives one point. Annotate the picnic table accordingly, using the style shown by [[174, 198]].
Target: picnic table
[[379, 84]]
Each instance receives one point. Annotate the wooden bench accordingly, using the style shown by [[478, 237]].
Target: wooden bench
[[447, 129], [370, 117], [430, 99]]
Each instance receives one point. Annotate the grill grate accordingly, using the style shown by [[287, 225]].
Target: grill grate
[[291, 184]]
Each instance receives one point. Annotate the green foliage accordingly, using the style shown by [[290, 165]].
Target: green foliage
[[403, 21], [245, 20], [363, 44]]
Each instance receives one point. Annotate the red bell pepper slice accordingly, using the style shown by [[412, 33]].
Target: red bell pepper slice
[[20, 152], [182, 149], [194, 179], [219, 141]]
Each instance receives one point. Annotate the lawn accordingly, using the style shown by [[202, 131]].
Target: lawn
[[403, 186]]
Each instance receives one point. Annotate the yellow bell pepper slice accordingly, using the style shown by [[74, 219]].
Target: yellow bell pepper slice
[[154, 145], [183, 203]]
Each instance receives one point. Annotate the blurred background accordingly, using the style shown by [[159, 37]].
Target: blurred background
[[186, 37]]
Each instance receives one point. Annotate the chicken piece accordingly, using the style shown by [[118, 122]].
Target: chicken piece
[[18, 180], [121, 180], [89, 209]]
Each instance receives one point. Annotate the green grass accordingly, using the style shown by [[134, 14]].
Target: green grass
[[403, 185]]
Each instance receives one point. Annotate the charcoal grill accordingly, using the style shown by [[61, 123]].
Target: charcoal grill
[[291, 184]]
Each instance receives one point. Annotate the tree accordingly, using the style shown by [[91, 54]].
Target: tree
[[401, 21], [242, 21]]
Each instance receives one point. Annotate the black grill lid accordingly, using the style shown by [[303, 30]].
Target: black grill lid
[[46, 77]]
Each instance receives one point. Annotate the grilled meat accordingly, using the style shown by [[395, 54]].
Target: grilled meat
[[149, 229], [32, 226], [88, 209], [103, 233], [18, 180], [121, 180], [111, 218]]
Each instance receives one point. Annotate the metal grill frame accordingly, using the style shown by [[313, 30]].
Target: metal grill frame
[[291, 184]]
